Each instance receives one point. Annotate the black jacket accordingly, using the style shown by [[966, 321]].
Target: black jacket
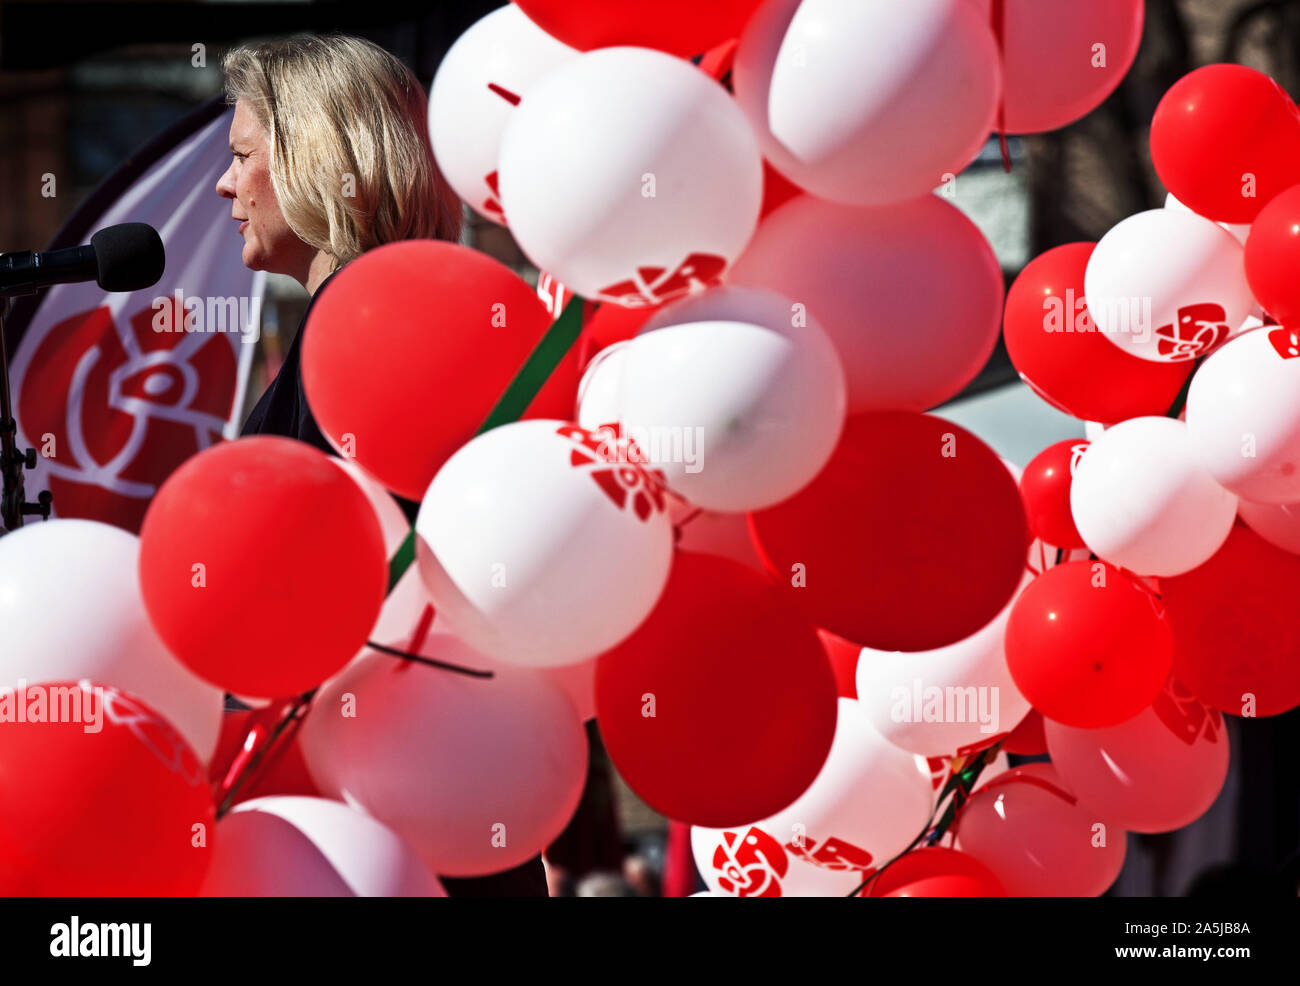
[[283, 410]]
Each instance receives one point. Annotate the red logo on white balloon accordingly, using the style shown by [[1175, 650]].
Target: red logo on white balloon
[[492, 204], [158, 735], [655, 285], [612, 461], [1195, 331], [1185, 716], [1286, 342], [1076, 456], [833, 854], [751, 864]]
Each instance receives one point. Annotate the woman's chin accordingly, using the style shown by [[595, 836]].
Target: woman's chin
[[253, 258]]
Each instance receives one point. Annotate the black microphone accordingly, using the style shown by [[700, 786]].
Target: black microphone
[[126, 257]]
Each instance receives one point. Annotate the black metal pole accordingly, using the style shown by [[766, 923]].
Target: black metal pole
[[11, 462], [13, 498]]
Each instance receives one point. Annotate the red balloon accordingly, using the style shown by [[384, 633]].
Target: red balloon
[[123, 810], [844, 656], [720, 709], [615, 323], [1087, 645], [1029, 739], [1039, 839], [293, 566], [1045, 487], [1273, 257], [912, 537], [682, 27], [409, 348], [1237, 626], [1056, 349], [1225, 140], [1050, 72], [936, 872]]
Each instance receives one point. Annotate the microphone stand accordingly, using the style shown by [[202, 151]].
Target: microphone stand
[[14, 505]]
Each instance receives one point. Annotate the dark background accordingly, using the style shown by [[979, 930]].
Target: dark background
[[83, 85]]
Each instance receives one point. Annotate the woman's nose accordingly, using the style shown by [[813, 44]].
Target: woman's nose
[[225, 187]]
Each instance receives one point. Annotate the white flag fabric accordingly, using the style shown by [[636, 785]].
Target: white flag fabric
[[115, 390]]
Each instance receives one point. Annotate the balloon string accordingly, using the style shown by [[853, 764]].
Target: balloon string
[[960, 784], [997, 13], [431, 662], [677, 528], [251, 759]]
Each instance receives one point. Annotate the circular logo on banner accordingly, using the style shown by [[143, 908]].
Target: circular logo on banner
[[114, 409]]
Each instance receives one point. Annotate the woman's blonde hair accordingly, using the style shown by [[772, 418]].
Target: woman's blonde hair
[[350, 157]]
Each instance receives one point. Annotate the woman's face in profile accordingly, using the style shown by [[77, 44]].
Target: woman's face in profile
[[269, 243]]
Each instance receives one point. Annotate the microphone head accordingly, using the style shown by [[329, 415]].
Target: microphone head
[[130, 256]]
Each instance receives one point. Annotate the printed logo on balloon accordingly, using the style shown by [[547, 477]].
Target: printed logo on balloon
[[652, 286], [1185, 716], [1286, 342], [753, 864], [1197, 330], [158, 736], [625, 481]]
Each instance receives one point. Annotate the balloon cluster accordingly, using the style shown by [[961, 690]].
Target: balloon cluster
[[803, 611]]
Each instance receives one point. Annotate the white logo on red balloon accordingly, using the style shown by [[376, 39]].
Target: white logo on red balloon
[[1185, 716], [753, 863], [157, 734]]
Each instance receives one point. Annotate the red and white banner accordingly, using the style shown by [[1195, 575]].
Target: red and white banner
[[114, 391]]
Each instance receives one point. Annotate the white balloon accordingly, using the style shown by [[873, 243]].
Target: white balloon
[[71, 609], [1276, 523], [598, 388], [478, 775], [541, 544], [478, 84], [865, 806], [1142, 500], [1243, 414], [1167, 286], [1239, 230], [312, 847], [910, 294], [872, 101], [733, 397], [939, 701], [630, 175]]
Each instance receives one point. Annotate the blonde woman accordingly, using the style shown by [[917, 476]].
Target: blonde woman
[[330, 158]]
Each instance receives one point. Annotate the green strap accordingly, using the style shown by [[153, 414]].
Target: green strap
[[537, 369]]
